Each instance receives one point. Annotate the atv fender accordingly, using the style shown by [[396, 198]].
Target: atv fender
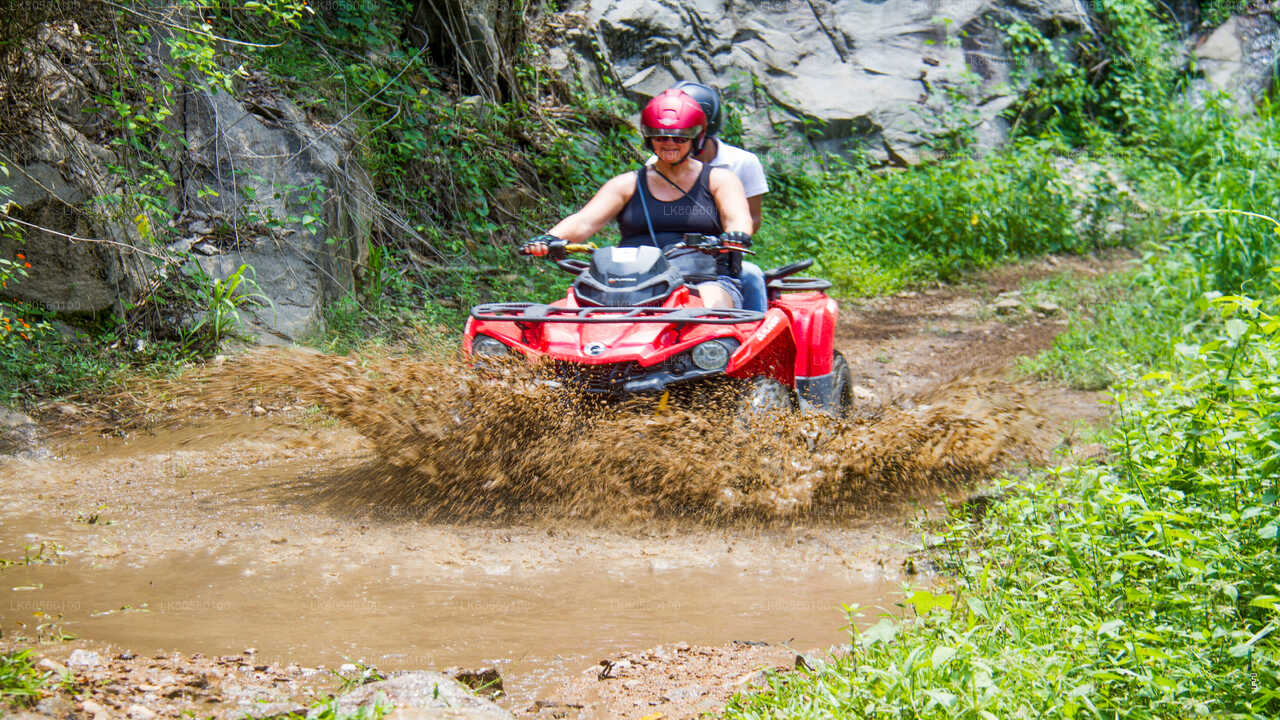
[[813, 324]]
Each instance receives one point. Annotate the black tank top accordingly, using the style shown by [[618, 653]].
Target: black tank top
[[695, 212]]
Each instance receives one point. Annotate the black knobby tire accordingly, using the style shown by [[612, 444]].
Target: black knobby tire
[[762, 397], [843, 384]]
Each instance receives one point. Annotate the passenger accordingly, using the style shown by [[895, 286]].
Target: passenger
[[677, 194], [718, 153]]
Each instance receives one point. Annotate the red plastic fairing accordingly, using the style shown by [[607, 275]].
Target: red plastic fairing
[[813, 324], [646, 344], [769, 350]]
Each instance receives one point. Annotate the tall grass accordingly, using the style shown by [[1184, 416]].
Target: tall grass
[[875, 231], [1145, 588]]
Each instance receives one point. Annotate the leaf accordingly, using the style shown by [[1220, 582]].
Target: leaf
[[1270, 602], [1268, 532], [1111, 627], [941, 655], [882, 632], [1236, 328], [143, 223], [941, 697]]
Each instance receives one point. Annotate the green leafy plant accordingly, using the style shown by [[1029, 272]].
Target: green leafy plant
[[21, 683], [225, 298]]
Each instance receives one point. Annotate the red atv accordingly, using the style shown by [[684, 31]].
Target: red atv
[[629, 326]]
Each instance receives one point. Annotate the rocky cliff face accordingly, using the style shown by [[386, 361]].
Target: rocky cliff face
[[255, 183], [885, 75]]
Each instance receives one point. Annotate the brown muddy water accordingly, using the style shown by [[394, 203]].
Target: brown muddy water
[[410, 514]]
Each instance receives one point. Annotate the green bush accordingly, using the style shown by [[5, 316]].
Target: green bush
[[875, 232], [1145, 588], [21, 684]]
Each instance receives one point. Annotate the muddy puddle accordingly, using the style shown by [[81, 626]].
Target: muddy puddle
[[399, 612], [413, 514]]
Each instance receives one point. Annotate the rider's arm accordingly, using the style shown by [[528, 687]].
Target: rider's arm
[[602, 208], [754, 203], [731, 201]]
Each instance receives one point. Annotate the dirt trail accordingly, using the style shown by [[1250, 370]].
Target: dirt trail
[[425, 517]]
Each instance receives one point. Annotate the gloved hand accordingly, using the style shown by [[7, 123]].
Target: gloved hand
[[545, 246], [730, 263]]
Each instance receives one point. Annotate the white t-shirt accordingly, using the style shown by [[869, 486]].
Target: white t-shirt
[[740, 162]]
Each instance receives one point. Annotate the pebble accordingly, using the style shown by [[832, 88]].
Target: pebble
[[141, 712], [84, 659]]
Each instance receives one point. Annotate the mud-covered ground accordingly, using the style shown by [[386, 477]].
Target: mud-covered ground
[[408, 514]]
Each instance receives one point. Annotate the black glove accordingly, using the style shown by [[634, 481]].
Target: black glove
[[730, 263], [545, 246]]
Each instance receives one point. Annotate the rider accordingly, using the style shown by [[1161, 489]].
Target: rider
[[718, 153], [746, 166], [661, 202]]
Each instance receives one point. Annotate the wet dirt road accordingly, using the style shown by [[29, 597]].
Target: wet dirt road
[[317, 538]]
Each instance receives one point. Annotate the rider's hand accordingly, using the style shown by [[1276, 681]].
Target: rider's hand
[[729, 261], [545, 246]]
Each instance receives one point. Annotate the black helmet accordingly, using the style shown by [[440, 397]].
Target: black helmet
[[709, 98]]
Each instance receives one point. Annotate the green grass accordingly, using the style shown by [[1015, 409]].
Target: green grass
[[1144, 588], [21, 684], [874, 232]]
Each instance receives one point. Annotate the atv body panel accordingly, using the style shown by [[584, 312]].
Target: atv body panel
[[591, 339]]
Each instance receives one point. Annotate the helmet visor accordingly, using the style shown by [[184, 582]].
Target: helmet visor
[[689, 132]]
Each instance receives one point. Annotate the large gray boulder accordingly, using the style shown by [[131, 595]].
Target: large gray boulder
[[884, 75], [258, 184], [1239, 58], [289, 201], [421, 695]]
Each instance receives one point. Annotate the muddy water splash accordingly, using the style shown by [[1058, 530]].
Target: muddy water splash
[[456, 444]]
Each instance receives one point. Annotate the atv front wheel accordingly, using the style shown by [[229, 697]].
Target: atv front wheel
[[762, 397], [843, 390]]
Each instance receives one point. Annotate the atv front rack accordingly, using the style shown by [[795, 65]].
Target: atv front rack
[[537, 313]]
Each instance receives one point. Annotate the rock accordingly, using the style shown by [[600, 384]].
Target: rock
[[1044, 307], [52, 666], [421, 695], [486, 681], [862, 394], [206, 249], [882, 74], [684, 694], [55, 706], [262, 158], [250, 710], [1007, 306], [1238, 57], [83, 659], [20, 436], [141, 712], [94, 710]]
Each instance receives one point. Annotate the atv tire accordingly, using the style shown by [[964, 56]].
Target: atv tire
[[843, 389], [763, 397]]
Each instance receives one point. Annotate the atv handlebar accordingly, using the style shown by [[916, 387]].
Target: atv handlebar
[[544, 249], [712, 245]]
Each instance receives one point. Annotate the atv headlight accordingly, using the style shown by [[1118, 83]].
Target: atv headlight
[[492, 347], [711, 355]]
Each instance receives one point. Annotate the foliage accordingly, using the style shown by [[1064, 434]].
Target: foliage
[[21, 684], [1139, 589], [1213, 172], [935, 221], [1080, 83]]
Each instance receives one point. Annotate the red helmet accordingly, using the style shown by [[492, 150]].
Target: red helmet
[[674, 113]]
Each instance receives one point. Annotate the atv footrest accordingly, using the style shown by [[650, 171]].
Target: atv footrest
[[537, 313]]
